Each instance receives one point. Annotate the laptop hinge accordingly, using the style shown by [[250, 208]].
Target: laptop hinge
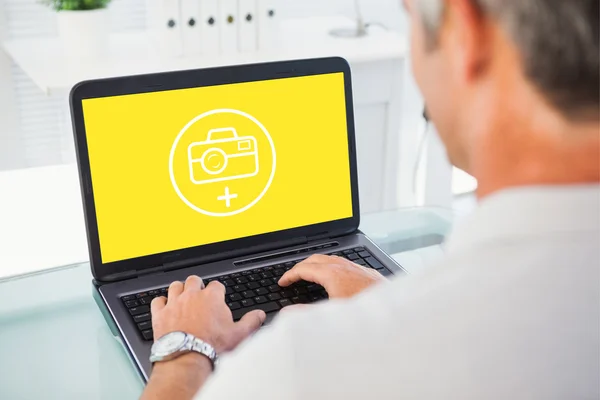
[[192, 262]]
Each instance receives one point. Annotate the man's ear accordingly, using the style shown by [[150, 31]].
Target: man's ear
[[468, 36]]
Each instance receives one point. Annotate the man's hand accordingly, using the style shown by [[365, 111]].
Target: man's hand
[[202, 312], [340, 278]]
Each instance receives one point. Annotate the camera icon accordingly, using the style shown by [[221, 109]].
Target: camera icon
[[225, 159]]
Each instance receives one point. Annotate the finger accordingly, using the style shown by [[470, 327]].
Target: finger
[[175, 290], [304, 271], [249, 324], [157, 304], [193, 283], [216, 286]]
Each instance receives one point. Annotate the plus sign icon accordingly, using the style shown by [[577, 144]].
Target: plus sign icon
[[222, 162]]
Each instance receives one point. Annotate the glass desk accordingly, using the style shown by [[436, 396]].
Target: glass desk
[[55, 344]]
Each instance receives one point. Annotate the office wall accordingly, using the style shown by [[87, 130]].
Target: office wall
[[21, 143], [387, 12]]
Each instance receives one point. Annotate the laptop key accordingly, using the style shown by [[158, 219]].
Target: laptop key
[[234, 305], [266, 282], [241, 280], [287, 293], [374, 263], [260, 299], [128, 298], [228, 282], [261, 291], [235, 297], [347, 252], [140, 295], [253, 285], [247, 302], [143, 326], [142, 318], [240, 288], [245, 273], [229, 290], [139, 310], [274, 296], [131, 303], [266, 307], [361, 262], [146, 300], [274, 288], [302, 299], [364, 254], [353, 257], [285, 303], [300, 290], [248, 294], [148, 335], [154, 292], [254, 277], [267, 274], [313, 287]]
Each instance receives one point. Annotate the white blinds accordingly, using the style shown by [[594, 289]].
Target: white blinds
[[45, 136]]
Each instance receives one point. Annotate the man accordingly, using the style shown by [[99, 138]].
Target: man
[[513, 312]]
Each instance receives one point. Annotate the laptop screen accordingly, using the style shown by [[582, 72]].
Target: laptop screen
[[182, 168]]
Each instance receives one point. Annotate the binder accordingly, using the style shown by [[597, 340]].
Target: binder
[[228, 19], [209, 32], [248, 25], [165, 27], [191, 27], [268, 24]]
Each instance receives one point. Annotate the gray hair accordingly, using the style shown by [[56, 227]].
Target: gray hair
[[558, 41]]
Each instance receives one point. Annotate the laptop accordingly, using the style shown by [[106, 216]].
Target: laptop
[[233, 174]]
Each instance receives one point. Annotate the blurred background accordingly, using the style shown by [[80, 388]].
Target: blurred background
[[48, 46]]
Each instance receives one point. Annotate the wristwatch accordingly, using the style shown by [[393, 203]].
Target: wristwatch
[[176, 344]]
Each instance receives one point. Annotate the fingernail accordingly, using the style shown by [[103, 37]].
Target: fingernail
[[263, 316]]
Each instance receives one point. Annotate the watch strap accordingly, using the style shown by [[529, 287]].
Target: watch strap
[[200, 346]]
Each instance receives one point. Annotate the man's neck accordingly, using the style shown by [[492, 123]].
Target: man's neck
[[538, 151]]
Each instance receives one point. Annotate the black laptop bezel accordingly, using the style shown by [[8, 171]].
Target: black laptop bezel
[[190, 79]]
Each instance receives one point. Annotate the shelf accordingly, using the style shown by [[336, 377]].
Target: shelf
[[43, 60]]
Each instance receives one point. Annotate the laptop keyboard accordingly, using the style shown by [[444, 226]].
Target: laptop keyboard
[[254, 289]]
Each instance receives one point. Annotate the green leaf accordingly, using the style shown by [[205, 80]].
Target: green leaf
[[76, 5]]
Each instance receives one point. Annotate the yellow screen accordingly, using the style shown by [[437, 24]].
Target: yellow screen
[[182, 168]]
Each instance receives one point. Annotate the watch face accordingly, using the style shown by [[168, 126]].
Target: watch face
[[169, 343]]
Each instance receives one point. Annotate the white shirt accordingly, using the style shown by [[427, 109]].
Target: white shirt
[[512, 313]]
